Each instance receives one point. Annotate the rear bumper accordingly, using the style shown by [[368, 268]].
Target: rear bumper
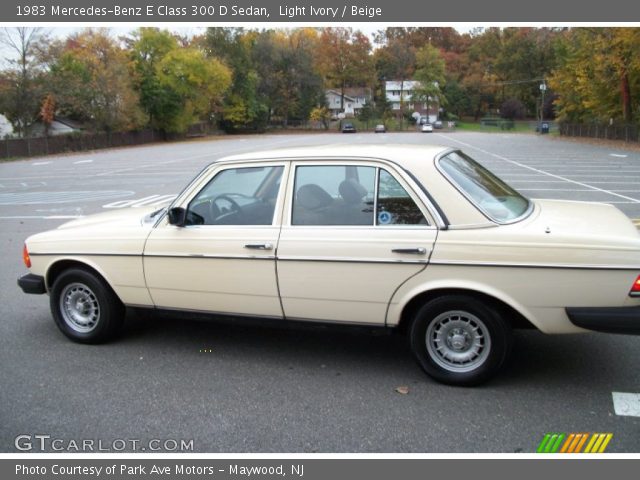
[[31, 283], [606, 319]]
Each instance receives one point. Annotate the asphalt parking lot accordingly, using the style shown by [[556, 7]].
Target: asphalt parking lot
[[238, 388]]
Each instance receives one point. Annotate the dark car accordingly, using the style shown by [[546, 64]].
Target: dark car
[[348, 128]]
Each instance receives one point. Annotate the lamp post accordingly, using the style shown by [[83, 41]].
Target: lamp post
[[543, 89]]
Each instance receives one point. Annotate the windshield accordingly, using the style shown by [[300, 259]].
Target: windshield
[[492, 196]]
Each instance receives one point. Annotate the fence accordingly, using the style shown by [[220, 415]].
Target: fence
[[32, 147], [628, 133]]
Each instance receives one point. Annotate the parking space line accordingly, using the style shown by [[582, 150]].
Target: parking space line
[[82, 161], [543, 172], [42, 217], [554, 189]]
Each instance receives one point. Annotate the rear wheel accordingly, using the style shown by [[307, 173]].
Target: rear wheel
[[84, 307], [460, 340]]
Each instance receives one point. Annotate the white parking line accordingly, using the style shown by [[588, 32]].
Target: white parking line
[[554, 189], [618, 155], [141, 202], [543, 172], [37, 164], [40, 217], [82, 161], [626, 404]]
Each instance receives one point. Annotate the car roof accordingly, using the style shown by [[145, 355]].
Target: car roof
[[404, 155]]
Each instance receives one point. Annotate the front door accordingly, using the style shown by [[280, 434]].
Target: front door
[[223, 259]]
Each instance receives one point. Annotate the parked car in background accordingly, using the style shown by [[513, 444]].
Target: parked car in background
[[348, 128], [380, 128], [438, 124], [419, 239], [426, 128]]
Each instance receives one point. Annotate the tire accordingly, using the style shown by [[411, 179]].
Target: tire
[[459, 340], [85, 308]]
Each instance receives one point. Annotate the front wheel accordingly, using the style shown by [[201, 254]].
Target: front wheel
[[84, 307], [460, 340]]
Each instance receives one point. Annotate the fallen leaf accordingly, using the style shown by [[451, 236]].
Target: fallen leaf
[[403, 390]]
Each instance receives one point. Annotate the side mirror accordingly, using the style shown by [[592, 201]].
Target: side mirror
[[177, 216]]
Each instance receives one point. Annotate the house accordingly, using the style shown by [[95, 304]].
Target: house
[[354, 101], [59, 126], [6, 129], [394, 89]]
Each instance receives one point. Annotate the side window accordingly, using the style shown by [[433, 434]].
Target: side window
[[237, 196], [333, 195], [395, 206]]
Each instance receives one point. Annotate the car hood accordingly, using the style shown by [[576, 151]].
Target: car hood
[[118, 232], [127, 217]]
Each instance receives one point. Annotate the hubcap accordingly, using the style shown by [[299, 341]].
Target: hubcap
[[458, 341], [79, 307]]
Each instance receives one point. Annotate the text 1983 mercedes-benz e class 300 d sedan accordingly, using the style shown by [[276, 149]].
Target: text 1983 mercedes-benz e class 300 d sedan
[[419, 238]]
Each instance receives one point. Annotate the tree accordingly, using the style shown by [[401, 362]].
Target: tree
[[512, 109], [91, 82], [430, 72], [598, 74], [198, 82], [147, 48], [21, 85], [243, 107], [344, 60], [47, 112], [395, 61]]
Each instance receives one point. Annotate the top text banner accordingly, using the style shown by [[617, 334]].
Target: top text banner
[[326, 11]]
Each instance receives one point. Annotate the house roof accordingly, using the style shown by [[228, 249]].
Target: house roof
[[337, 93]]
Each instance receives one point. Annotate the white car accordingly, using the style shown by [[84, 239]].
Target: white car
[[426, 128], [416, 238]]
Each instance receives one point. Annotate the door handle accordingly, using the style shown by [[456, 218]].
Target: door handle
[[259, 246], [413, 251]]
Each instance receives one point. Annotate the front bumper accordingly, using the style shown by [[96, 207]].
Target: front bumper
[[606, 319], [31, 283]]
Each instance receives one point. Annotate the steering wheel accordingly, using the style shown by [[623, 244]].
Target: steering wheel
[[217, 212]]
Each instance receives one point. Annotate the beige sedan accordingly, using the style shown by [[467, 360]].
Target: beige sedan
[[420, 239]]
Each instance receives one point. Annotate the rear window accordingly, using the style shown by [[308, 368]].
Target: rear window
[[491, 195]]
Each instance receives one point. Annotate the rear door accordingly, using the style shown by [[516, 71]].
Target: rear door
[[353, 232]]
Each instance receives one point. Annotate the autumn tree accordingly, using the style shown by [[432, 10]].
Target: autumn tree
[[598, 75], [179, 84], [344, 60], [396, 60], [243, 108], [47, 112], [147, 47], [91, 82], [197, 81]]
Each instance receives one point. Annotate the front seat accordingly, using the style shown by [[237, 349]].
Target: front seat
[[310, 205]]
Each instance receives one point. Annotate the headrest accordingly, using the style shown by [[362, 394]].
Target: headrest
[[351, 191]]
